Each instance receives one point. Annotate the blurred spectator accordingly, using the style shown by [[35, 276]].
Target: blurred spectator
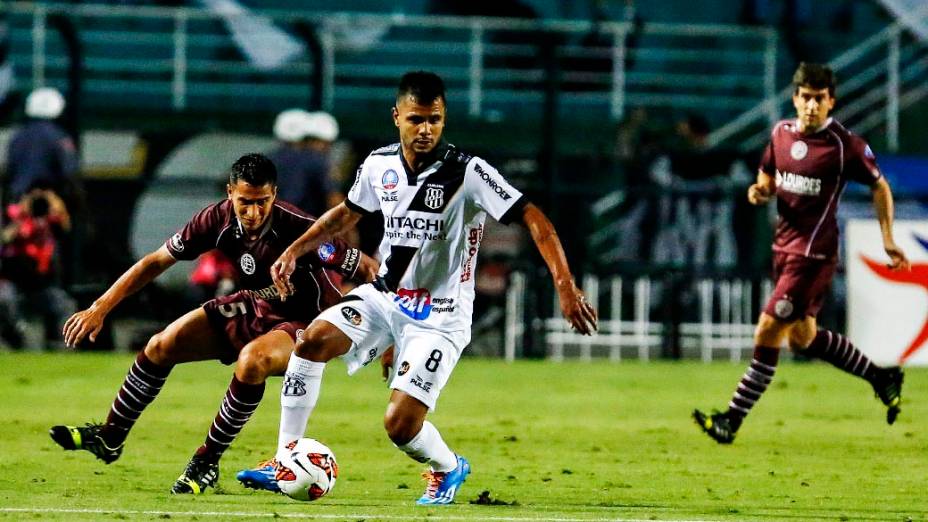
[[214, 276], [40, 152], [6, 68], [303, 160], [29, 266]]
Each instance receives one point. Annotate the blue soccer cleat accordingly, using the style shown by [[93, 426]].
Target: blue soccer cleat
[[442, 486], [262, 477]]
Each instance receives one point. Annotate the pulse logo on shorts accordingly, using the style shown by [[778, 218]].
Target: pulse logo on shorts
[[326, 252], [351, 315], [414, 303]]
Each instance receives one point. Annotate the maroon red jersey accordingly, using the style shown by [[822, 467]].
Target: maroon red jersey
[[811, 172], [216, 227]]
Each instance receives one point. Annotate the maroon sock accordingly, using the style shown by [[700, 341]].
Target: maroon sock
[[753, 383], [240, 402], [838, 350], [143, 382]]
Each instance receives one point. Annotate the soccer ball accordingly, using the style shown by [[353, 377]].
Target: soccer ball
[[307, 470]]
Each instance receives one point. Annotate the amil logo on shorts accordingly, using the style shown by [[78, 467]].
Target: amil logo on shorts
[[414, 303]]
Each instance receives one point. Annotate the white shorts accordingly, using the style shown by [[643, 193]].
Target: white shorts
[[423, 357]]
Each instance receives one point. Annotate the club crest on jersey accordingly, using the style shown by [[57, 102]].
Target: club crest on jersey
[[351, 315], [434, 197], [799, 150], [177, 243], [247, 262], [326, 252], [390, 179], [414, 303]]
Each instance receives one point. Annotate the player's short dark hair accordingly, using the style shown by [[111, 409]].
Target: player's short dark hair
[[254, 169], [814, 76], [424, 86]]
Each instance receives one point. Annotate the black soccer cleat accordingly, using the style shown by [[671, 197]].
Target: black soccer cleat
[[888, 387], [718, 426], [201, 473], [88, 437]]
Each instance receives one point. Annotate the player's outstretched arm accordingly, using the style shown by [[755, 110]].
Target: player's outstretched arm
[[90, 321], [883, 205], [761, 191], [576, 309], [335, 221]]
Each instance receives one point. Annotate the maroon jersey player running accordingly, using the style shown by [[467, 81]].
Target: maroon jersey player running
[[807, 165], [252, 327]]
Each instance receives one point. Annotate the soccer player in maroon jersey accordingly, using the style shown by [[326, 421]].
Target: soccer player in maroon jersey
[[807, 165], [252, 327]]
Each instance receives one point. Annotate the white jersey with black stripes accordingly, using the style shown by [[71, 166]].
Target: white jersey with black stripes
[[433, 225]]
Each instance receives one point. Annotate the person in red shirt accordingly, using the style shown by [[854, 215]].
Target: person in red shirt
[[29, 258], [806, 165]]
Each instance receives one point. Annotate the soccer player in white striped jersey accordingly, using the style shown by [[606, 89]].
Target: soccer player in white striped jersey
[[434, 200]]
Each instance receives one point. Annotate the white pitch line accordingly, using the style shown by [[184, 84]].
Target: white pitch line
[[245, 514]]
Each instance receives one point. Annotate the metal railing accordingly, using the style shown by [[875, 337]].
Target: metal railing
[[189, 58], [878, 78], [723, 321]]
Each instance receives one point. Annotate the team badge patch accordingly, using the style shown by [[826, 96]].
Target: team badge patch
[[403, 368], [799, 150], [783, 308], [352, 315], [293, 386], [434, 197], [390, 179], [326, 252], [177, 243], [247, 262], [299, 335]]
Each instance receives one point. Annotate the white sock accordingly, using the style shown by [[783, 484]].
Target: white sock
[[428, 446], [298, 396]]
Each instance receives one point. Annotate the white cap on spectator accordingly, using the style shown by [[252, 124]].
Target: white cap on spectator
[[322, 126], [45, 103], [291, 125]]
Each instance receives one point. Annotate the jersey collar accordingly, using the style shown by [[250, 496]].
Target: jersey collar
[[816, 131], [240, 232], [437, 156]]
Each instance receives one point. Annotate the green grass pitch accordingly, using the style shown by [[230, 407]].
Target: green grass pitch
[[563, 442]]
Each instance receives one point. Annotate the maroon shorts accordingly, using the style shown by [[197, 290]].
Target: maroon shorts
[[242, 317], [801, 283]]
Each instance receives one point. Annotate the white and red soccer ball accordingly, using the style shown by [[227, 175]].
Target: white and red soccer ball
[[306, 470]]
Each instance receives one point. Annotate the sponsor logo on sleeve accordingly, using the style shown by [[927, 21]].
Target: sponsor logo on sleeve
[[414, 303], [326, 252], [390, 179], [351, 315], [494, 186], [350, 264], [474, 236], [177, 243], [247, 262]]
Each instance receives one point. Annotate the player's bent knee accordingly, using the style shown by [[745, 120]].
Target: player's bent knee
[[322, 342], [158, 349], [254, 365], [401, 427]]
